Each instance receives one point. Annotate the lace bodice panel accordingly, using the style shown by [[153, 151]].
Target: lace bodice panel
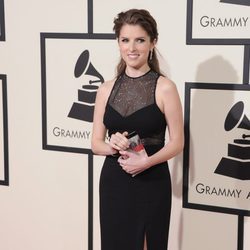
[[131, 94]]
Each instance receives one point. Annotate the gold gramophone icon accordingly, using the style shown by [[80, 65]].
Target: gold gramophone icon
[[84, 109], [237, 163]]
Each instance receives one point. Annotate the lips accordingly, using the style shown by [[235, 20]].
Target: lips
[[133, 55]]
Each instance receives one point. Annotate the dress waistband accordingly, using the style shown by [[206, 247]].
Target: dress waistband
[[152, 141], [146, 142]]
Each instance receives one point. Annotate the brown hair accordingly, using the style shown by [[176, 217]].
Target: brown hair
[[147, 22]]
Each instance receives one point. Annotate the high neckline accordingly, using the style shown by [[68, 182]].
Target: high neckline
[[137, 77]]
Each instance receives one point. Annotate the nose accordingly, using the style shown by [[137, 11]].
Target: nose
[[131, 46]]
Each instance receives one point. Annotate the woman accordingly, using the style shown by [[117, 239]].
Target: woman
[[135, 188]]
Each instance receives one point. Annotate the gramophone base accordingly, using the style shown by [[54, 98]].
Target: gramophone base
[[242, 2], [81, 112], [239, 151], [233, 168]]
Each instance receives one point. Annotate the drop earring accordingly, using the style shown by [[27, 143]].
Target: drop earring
[[151, 55]]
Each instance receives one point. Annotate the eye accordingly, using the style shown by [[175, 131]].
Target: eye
[[140, 40], [124, 40]]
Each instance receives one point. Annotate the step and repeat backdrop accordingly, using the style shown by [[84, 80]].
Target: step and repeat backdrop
[[53, 58]]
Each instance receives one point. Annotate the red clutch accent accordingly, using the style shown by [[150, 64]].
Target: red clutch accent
[[138, 148]]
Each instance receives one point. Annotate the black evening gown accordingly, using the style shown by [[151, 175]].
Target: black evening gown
[[134, 207]]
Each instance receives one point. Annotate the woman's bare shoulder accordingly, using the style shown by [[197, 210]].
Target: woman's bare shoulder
[[165, 84]]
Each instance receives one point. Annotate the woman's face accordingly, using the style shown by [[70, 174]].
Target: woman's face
[[134, 43]]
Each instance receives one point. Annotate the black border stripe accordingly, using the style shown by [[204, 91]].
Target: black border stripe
[[240, 245], [187, 93], [189, 27], [210, 208], [43, 91], [200, 41], [90, 16], [63, 148], [90, 201], [246, 64], [5, 182], [105, 36], [219, 86], [2, 21]]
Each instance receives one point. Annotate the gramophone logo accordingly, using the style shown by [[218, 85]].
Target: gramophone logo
[[237, 162], [69, 95], [84, 108], [217, 163], [238, 2]]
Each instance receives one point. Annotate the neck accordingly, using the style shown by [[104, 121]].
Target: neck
[[137, 72]]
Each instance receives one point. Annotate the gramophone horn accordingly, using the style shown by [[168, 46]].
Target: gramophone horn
[[83, 65], [91, 71], [234, 116], [245, 123]]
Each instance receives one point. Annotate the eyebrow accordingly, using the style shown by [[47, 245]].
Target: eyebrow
[[140, 37]]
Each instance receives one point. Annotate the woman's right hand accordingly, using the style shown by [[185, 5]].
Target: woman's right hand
[[118, 141]]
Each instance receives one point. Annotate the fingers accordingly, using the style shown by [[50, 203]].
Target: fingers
[[125, 154], [131, 171], [122, 161], [119, 141], [125, 133], [124, 164], [133, 163]]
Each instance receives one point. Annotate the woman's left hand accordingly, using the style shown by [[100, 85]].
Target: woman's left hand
[[133, 162]]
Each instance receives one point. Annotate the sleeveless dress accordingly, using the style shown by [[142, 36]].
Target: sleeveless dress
[[134, 207]]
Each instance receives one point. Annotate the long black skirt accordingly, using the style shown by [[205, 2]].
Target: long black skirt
[[132, 208]]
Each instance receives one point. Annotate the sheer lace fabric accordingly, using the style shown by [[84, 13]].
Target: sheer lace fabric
[[132, 94]]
